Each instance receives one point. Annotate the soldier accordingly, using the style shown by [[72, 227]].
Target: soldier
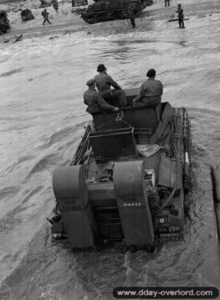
[[150, 91], [55, 5], [131, 16], [45, 15], [180, 16], [104, 83], [167, 2], [131, 13], [95, 101]]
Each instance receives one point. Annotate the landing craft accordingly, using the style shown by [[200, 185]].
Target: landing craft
[[129, 180], [107, 10]]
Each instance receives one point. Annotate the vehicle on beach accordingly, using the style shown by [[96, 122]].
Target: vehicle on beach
[[80, 2], [103, 10], [26, 15], [129, 180], [4, 22]]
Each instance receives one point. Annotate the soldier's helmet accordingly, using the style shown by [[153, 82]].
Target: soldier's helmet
[[101, 68]]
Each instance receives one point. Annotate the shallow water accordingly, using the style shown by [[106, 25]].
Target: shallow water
[[41, 122]]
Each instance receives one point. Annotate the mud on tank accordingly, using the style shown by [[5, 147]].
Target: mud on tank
[[108, 10], [129, 180]]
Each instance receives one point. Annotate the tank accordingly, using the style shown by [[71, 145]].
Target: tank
[[107, 10], [129, 181], [4, 22], [26, 15]]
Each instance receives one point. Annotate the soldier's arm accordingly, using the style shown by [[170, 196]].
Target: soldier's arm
[[140, 95], [104, 105], [113, 83], [86, 100]]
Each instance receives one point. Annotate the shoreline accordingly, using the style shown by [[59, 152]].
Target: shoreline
[[67, 22]]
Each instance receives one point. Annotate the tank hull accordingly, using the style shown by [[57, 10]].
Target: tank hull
[[129, 179]]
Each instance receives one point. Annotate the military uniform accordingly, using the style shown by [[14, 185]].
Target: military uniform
[[150, 92], [180, 17], [104, 83], [45, 15], [95, 101]]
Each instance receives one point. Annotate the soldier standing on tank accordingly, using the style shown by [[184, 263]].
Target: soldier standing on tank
[[45, 15], [180, 16], [167, 2]]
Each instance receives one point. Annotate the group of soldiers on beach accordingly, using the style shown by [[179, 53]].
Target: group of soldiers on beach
[[104, 98]]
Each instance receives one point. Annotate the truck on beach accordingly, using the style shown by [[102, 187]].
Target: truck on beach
[[129, 181]]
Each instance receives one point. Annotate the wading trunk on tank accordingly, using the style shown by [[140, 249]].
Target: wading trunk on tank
[[129, 180]]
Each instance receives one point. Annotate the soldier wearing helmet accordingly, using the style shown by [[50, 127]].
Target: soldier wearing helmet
[[94, 100], [150, 92], [104, 82]]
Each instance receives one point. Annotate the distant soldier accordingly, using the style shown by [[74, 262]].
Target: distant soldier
[[180, 16], [132, 12], [131, 16], [55, 5], [167, 2], [73, 4], [95, 101], [45, 15]]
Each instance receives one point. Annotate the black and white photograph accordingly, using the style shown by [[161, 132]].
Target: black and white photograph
[[109, 149]]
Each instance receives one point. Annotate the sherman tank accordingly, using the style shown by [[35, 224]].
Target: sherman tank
[[129, 180], [107, 10]]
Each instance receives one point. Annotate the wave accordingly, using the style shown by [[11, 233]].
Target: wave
[[45, 163], [9, 191]]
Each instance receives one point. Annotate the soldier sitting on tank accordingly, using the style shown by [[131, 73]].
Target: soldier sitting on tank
[[95, 101], [150, 92], [104, 82]]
